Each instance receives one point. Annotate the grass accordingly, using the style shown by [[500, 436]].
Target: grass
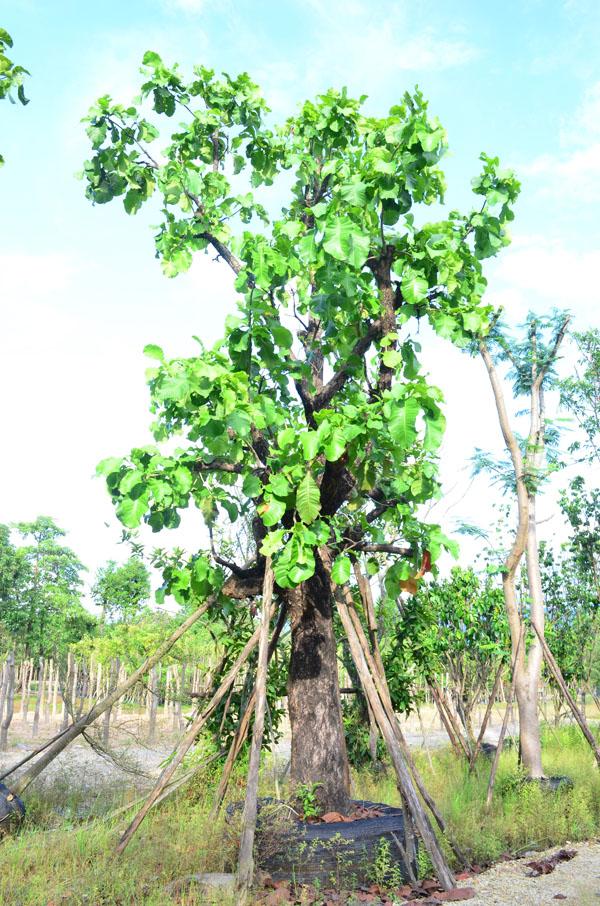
[[57, 860]]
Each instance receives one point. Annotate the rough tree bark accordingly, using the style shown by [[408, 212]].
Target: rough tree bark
[[318, 743]]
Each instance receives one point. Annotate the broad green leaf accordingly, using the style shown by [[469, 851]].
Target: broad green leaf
[[271, 511], [282, 336], [414, 286], [344, 241], [402, 422], [341, 569], [130, 512], [308, 499], [285, 438], [252, 486], [310, 444], [109, 465], [434, 431], [335, 445]]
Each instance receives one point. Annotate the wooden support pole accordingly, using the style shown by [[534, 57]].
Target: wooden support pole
[[244, 722], [343, 598], [577, 713], [39, 696], [486, 716], [188, 739], [100, 707], [245, 871], [375, 665]]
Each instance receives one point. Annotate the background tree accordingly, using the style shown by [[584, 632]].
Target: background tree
[[329, 433], [11, 75], [121, 591], [45, 614], [533, 361]]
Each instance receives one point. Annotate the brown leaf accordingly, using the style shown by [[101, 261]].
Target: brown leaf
[[409, 585], [455, 894], [463, 875], [430, 884], [547, 865], [331, 817]]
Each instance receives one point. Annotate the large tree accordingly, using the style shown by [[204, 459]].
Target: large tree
[[311, 417]]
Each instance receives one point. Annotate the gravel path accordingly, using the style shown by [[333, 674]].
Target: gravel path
[[507, 884]]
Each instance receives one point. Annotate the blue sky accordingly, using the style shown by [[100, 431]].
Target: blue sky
[[80, 291]]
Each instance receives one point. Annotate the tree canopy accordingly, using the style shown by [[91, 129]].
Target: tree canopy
[[311, 415]]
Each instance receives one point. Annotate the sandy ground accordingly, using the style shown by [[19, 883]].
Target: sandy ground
[[576, 882]]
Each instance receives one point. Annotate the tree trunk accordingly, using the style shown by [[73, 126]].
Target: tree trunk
[[318, 743]]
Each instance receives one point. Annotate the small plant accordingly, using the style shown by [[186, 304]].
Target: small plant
[[386, 871], [306, 794]]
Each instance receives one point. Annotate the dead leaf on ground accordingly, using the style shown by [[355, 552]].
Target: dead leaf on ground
[[547, 865]]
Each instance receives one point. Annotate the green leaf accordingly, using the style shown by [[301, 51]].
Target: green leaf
[[272, 510], [341, 569], [282, 336], [414, 286], [344, 240], [354, 192], [154, 352], [109, 465], [286, 438], [272, 543], [435, 425], [252, 486], [402, 423], [308, 499], [335, 446], [310, 444], [130, 511]]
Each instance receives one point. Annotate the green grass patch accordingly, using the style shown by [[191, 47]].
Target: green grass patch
[[55, 858]]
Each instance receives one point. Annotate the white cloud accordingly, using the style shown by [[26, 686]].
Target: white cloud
[[574, 173], [541, 273]]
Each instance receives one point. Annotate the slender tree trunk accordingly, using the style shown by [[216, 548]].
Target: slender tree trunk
[[39, 696], [10, 700], [318, 742]]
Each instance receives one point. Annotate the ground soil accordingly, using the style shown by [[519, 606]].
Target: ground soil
[[508, 884]]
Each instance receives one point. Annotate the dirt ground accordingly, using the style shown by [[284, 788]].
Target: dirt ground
[[508, 884]]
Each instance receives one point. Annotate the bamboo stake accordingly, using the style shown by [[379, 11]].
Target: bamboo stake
[[577, 714], [486, 716], [405, 783], [375, 664], [244, 723], [75, 729], [245, 871], [188, 739]]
